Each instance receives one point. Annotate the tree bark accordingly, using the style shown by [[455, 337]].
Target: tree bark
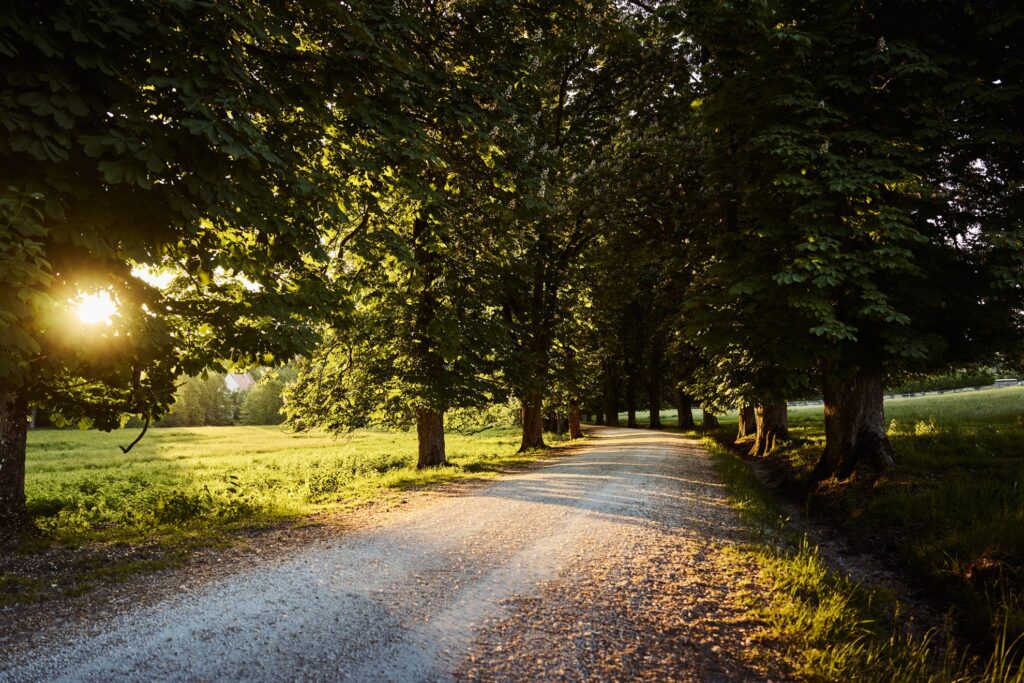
[[772, 427], [631, 402], [684, 408], [14, 519], [655, 408], [747, 422], [854, 424], [562, 424], [430, 432], [429, 422], [533, 424], [575, 428], [709, 419], [654, 387]]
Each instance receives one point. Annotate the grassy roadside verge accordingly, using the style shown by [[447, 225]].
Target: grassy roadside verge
[[834, 629], [952, 511], [104, 516]]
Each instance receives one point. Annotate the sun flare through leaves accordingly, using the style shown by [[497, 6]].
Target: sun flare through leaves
[[95, 308]]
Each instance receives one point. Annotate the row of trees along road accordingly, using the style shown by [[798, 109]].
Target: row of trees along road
[[584, 206]]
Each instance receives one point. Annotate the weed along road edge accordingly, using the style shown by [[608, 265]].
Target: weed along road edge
[[604, 565]]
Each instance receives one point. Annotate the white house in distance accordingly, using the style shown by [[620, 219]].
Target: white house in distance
[[239, 381]]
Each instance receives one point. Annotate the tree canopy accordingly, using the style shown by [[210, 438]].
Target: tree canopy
[[581, 206]]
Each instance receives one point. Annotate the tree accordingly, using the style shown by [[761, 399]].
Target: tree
[[570, 97], [201, 402], [263, 404], [185, 137], [829, 130], [419, 342], [423, 335]]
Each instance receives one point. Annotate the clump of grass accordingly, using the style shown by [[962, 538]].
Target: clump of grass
[[834, 629]]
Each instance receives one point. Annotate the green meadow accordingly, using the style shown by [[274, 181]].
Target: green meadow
[[951, 515], [196, 481]]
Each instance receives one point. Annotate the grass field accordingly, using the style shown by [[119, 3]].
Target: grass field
[[187, 483], [953, 509], [951, 513]]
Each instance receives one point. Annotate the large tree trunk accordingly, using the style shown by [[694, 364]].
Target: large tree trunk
[[631, 402], [854, 425], [772, 427], [14, 520], [611, 407], [655, 407], [533, 424], [429, 423], [747, 422], [430, 432], [612, 418], [575, 428], [709, 419], [684, 408]]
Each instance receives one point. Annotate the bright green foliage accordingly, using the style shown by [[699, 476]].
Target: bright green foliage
[[568, 107], [179, 135], [264, 403], [202, 402], [222, 142], [423, 329]]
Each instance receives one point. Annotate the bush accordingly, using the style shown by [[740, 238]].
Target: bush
[[960, 379], [468, 420]]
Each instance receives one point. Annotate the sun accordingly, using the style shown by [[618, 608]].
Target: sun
[[95, 308]]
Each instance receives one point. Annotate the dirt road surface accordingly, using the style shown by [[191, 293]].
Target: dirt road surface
[[604, 565]]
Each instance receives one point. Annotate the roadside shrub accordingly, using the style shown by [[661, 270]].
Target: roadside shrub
[[177, 507]]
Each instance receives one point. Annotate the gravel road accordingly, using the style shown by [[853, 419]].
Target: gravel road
[[603, 565]]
